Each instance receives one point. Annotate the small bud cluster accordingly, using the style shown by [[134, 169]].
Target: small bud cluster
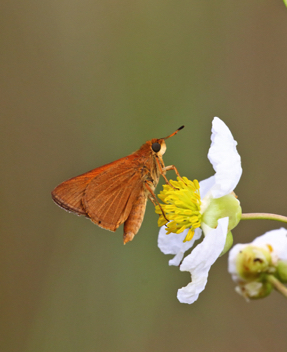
[[256, 266]]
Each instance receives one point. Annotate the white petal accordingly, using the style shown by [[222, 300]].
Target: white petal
[[173, 243], [176, 260], [277, 239], [224, 158], [232, 256], [198, 263], [206, 185]]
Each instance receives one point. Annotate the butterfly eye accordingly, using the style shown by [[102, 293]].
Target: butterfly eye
[[156, 147]]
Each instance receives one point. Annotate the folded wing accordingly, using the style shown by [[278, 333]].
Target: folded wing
[[105, 194], [109, 197]]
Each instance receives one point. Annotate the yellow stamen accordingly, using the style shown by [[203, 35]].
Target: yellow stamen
[[182, 207]]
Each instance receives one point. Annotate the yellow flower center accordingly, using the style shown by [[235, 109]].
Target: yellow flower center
[[181, 208]]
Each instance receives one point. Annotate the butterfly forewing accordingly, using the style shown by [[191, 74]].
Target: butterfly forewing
[[69, 194], [105, 194]]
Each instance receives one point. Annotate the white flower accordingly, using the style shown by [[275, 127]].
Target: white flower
[[249, 263], [219, 213]]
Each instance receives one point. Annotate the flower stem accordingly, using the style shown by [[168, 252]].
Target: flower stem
[[277, 285], [266, 216]]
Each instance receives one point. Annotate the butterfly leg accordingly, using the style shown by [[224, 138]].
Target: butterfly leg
[[154, 200], [172, 167], [167, 168], [162, 172]]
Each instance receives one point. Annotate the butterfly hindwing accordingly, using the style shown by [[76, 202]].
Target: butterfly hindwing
[[109, 196]]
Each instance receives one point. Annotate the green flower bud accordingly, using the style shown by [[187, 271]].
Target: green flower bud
[[219, 208], [282, 270], [252, 262], [256, 290]]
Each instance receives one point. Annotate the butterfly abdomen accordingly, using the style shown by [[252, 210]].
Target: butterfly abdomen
[[135, 218]]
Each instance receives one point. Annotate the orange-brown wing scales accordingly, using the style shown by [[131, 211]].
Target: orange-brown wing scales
[[107, 213], [109, 197], [69, 194]]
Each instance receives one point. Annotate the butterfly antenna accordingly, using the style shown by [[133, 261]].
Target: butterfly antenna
[[180, 128]]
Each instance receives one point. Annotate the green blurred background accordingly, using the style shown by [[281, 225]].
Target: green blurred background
[[86, 82]]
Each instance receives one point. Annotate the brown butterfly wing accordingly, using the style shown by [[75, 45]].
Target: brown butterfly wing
[[105, 194], [109, 197], [69, 194]]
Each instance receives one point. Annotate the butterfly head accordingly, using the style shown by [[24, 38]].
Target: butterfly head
[[158, 146]]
